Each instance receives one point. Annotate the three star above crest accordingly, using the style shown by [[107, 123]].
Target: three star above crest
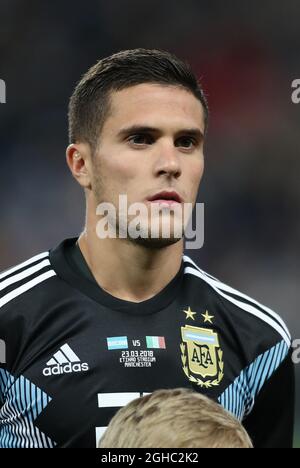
[[189, 313], [207, 317]]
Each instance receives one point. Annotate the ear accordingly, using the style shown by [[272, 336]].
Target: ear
[[78, 157]]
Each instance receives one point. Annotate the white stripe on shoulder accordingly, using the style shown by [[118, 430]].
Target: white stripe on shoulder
[[24, 274], [270, 317], [188, 259], [24, 264], [224, 287], [26, 287]]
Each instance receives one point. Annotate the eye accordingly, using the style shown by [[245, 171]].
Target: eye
[[186, 142], [141, 139]]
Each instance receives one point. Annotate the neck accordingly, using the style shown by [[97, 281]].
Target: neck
[[127, 270]]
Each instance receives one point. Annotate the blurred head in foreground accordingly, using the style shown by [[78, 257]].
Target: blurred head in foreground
[[177, 418]]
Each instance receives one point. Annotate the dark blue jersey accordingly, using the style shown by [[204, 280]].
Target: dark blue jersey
[[73, 354]]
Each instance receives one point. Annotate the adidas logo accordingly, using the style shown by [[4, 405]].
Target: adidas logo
[[65, 361]]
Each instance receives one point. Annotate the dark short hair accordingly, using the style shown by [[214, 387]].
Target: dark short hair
[[89, 103]]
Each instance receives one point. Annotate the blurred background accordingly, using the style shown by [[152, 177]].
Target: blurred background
[[246, 54]]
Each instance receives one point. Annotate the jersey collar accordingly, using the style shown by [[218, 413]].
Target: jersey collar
[[80, 278]]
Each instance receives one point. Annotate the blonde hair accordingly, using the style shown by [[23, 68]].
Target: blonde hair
[[173, 419]]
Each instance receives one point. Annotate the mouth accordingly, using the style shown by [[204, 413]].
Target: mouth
[[166, 197]]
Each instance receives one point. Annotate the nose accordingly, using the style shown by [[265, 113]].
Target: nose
[[168, 161]]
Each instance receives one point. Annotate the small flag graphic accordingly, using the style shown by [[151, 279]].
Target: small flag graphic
[[156, 342], [117, 342]]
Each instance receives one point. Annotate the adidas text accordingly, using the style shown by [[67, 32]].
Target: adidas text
[[65, 369]]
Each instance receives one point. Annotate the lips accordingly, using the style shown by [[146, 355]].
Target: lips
[[166, 196]]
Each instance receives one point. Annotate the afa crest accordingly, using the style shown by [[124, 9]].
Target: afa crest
[[201, 356]]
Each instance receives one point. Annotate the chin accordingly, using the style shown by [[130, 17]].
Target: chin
[[155, 243]]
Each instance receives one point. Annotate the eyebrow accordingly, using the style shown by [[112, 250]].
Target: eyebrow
[[195, 132]]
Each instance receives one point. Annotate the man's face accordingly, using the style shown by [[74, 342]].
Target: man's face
[[151, 142]]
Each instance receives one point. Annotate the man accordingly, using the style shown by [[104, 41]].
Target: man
[[178, 418], [120, 312]]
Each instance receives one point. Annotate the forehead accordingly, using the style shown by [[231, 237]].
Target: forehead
[[155, 105]]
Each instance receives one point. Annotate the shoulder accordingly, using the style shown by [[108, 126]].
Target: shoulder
[[248, 312], [18, 280], [24, 291]]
